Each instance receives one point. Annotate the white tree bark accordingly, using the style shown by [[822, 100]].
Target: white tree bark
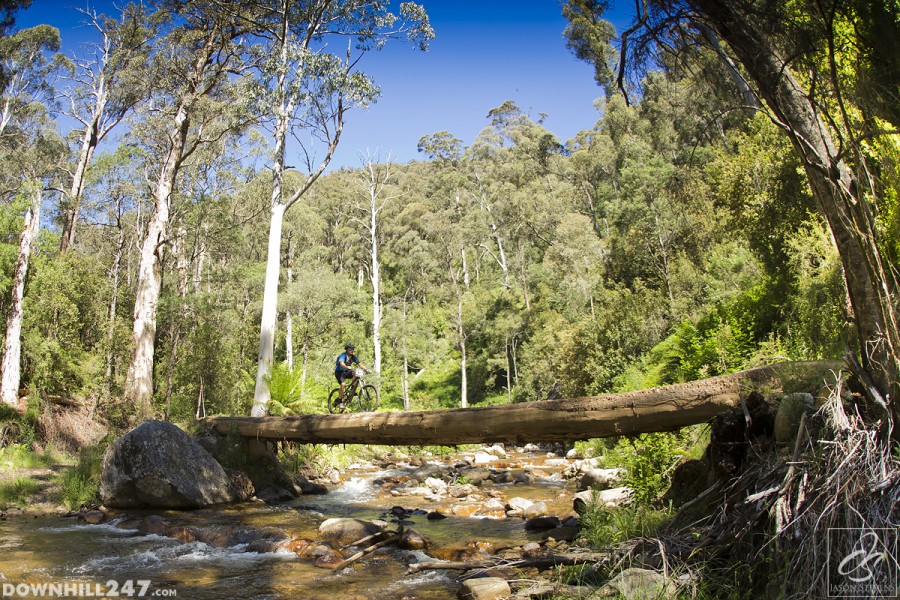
[[376, 176], [464, 391], [139, 379], [376, 291], [262, 394], [289, 329], [12, 351]]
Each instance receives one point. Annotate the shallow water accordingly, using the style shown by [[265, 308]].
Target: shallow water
[[60, 550]]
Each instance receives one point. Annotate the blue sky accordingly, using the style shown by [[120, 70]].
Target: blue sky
[[486, 52]]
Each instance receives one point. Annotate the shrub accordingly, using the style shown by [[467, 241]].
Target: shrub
[[80, 485]]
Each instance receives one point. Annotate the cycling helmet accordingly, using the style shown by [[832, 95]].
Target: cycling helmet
[[349, 347]]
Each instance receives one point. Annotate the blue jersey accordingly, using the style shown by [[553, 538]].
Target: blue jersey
[[346, 359]]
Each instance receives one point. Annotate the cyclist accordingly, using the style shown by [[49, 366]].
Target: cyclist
[[343, 367]]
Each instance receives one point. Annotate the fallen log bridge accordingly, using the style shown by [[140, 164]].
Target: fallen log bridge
[[644, 411]]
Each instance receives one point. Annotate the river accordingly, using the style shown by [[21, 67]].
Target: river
[[117, 556]]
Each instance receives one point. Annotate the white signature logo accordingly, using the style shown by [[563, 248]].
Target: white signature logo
[[861, 564]]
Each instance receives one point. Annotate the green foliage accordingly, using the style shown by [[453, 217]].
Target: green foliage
[[603, 527], [17, 492], [317, 459], [649, 459], [436, 386], [80, 484], [288, 395], [21, 456]]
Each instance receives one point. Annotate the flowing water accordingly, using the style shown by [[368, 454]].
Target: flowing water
[[58, 550]]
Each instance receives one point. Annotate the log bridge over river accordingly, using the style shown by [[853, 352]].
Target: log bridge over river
[[656, 409]]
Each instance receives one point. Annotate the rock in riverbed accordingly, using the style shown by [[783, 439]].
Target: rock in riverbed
[[157, 465]]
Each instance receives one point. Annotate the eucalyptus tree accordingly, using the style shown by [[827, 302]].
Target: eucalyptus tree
[[305, 88], [106, 87], [31, 153], [410, 268], [801, 59], [376, 189], [7, 21], [453, 230], [31, 61], [195, 103]]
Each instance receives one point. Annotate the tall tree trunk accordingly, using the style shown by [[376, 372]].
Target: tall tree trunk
[[89, 142], [404, 384], [508, 372], [464, 388], [113, 304], [288, 319], [837, 194], [376, 294], [139, 379], [175, 325], [262, 394], [12, 350]]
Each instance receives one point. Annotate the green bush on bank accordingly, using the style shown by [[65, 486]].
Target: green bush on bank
[[80, 485]]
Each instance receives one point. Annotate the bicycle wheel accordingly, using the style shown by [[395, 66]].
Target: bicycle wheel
[[333, 405], [367, 398]]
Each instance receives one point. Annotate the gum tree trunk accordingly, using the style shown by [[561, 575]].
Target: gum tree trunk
[[139, 379], [12, 350], [837, 194]]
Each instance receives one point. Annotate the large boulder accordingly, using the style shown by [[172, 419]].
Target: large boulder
[[157, 465]]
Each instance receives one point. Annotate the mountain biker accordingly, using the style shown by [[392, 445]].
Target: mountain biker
[[343, 367]]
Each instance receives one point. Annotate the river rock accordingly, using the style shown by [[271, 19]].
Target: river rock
[[536, 509], [475, 475], [412, 540], [309, 488], [483, 458], [438, 486], [497, 450], [532, 549], [274, 494], [518, 505], [790, 412], [566, 533], [153, 525], [93, 517], [242, 485], [601, 479], [542, 523], [640, 584], [605, 498], [484, 588], [158, 465], [426, 471], [346, 531], [461, 491]]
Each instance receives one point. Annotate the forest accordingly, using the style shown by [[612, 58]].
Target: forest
[[675, 238], [175, 242]]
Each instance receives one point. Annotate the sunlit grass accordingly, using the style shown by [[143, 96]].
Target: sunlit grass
[[17, 492], [81, 484], [18, 456]]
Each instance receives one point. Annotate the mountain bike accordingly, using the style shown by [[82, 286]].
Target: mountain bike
[[359, 394]]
